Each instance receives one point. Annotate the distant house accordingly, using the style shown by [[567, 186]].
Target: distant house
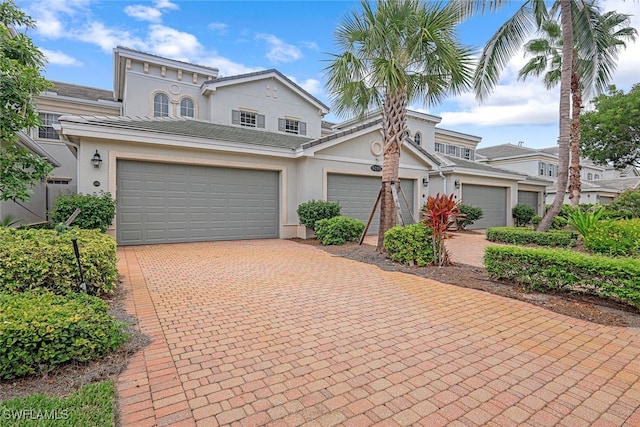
[[192, 156], [600, 184]]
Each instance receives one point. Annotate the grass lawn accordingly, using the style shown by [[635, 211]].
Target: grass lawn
[[92, 405]]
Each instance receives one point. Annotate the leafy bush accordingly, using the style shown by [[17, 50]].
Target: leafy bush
[[410, 245], [43, 259], [626, 204], [616, 238], [338, 230], [559, 222], [522, 214], [468, 215], [554, 270], [97, 211], [584, 220], [526, 236], [315, 210], [40, 330], [535, 220], [439, 213]]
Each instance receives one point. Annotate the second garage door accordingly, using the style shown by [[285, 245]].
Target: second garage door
[[357, 195], [492, 200], [169, 203]]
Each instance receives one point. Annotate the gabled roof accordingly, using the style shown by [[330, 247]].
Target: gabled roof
[[212, 85], [194, 128], [507, 150], [458, 163], [78, 91]]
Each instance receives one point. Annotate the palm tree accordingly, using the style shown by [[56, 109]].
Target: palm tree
[[398, 52], [594, 55]]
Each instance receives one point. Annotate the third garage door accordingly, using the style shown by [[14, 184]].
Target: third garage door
[[169, 203], [492, 200], [357, 195]]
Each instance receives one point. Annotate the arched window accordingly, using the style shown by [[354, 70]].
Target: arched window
[[417, 138], [187, 108], [160, 105]]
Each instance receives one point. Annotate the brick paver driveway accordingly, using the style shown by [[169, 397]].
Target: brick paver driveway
[[273, 332]]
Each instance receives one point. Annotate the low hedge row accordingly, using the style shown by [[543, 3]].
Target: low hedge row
[[410, 245], [565, 270], [338, 230], [40, 330], [34, 259], [525, 236]]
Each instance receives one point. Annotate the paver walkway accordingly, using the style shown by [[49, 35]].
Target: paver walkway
[[273, 332]]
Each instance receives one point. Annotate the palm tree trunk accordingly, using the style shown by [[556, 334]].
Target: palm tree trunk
[[575, 184], [394, 119], [565, 125]]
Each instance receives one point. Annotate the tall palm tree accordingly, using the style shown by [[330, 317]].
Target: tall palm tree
[[594, 55], [397, 52]]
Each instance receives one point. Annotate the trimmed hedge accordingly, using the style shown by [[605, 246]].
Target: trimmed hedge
[[526, 236], [410, 245], [40, 330], [96, 210], [314, 210], [616, 238], [565, 270], [34, 259], [338, 230]]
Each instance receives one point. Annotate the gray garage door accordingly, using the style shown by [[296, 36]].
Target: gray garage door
[[168, 203], [529, 198], [357, 195], [492, 200]]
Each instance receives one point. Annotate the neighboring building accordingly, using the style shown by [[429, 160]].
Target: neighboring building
[[196, 157], [600, 184]]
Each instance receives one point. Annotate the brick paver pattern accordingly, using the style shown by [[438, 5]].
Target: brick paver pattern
[[272, 332]]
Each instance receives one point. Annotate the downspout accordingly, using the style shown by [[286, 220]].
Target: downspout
[[444, 182]]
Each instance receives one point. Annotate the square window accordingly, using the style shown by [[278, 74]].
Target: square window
[[46, 131], [248, 119], [291, 126], [439, 147]]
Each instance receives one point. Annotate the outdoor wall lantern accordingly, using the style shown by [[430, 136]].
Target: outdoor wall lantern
[[457, 183], [96, 160], [425, 181]]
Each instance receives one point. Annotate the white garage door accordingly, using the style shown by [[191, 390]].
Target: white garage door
[[169, 203], [492, 201], [357, 195]]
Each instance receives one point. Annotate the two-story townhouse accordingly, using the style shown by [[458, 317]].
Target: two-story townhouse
[[198, 157]]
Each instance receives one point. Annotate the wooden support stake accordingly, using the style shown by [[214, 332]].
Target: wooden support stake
[[373, 212]]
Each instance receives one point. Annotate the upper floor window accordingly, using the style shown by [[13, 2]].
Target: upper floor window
[[451, 150], [247, 118], [292, 126], [439, 147], [417, 138], [596, 176], [542, 168], [160, 105], [46, 131], [467, 153], [187, 108], [589, 176]]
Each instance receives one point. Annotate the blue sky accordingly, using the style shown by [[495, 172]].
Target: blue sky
[[295, 37]]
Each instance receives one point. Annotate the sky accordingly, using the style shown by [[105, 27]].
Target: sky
[[296, 38]]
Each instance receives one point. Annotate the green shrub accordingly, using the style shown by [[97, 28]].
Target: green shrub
[[626, 204], [536, 220], [97, 210], [554, 270], [315, 210], [616, 238], [468, 215], [410, 245], [526, 236], [585, 220], [338, 230], [40, 330], [559, 222], [522, 214], [43, 259]]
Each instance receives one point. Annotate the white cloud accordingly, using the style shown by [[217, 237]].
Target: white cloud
[[627, 70], [218, 27], [59, 58], [226, 66], [107, 38], [310, 45], [313, 86], [166, 4], [279, 51], [50, 15], [166, 41], [143, 13]]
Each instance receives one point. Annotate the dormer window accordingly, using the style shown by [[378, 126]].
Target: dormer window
[[160, 105], [187, 108], [46, 131], [292, 126], [247, 118]]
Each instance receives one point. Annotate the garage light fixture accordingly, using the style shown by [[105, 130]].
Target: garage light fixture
[[457, 183], [425, 181], [96, 160]]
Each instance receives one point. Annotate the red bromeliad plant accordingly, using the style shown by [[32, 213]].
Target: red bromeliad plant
[[440, 213]]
